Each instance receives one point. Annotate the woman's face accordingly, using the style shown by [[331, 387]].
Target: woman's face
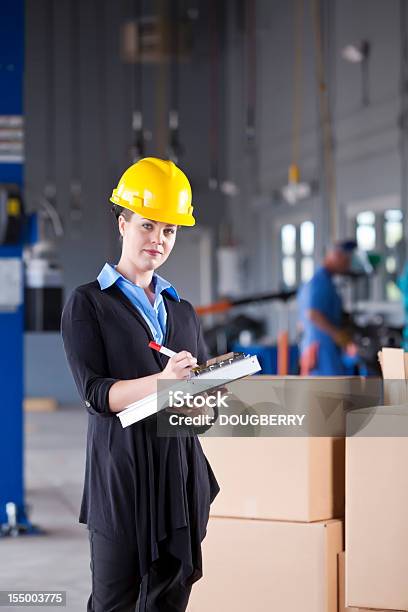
[[146, 243]]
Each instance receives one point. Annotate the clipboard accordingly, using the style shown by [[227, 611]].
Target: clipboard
[[226, 368]]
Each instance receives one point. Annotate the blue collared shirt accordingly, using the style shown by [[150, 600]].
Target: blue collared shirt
[[155, 315], [320, 294]]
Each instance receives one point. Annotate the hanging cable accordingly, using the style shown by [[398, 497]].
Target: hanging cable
[[403, 123], [75, 206], [250, 58], [50, 104], [250, 37], [325, 121], [174, 148], [138, 146], [297, 89], [161, 82], [251, 153], [297, 190], [365, 73], [100, 7], [213, 24]]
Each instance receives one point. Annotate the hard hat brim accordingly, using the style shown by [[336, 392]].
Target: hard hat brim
[[157, 215]]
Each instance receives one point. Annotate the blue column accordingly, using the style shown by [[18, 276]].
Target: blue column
[[12, 319]]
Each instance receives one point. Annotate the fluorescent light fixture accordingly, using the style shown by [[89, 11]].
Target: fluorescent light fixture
[[229, 188], [294, 192], [356, 53]]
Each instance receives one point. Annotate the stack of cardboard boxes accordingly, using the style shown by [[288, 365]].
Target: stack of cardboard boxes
[[275, 535], [276, 528], [376, 558]]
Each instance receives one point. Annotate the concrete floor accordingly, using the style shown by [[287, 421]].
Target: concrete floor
[[54, 468]]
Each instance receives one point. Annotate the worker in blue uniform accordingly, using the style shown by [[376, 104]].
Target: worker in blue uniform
[[321, 312]]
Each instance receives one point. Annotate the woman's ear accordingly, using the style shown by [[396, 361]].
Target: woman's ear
[[121, 225]]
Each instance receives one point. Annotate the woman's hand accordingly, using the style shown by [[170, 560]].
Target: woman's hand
[[178, 367]]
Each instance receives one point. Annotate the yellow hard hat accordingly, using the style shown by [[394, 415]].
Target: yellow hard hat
[[156, 189]]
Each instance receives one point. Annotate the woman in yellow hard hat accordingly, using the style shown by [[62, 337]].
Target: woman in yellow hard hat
[[146, 498]]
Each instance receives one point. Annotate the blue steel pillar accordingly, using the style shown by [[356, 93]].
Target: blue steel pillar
[[11, 316]]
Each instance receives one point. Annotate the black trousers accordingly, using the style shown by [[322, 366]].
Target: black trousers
[[116, 587]]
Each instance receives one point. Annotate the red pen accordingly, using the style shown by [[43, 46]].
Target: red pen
[[161, 349]]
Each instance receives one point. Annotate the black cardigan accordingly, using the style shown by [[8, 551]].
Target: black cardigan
[[150, 492]]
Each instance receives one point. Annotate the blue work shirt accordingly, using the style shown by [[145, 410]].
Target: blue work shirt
[[320, 294], [155, 315]]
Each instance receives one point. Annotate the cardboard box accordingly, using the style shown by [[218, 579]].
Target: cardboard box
[[394, 363], [287, 478], [341, 582], [394, 367], [265, 566], [290, 479], [321, 399], [376, 509]]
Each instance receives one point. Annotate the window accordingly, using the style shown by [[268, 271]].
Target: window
[[382, 231], [393, 233], [306, 251], [365, 231], [288, 242], [297, 248], [392, 227]]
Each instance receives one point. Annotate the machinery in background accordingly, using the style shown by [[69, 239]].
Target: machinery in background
[[244, 333], [371, 332], [241, 329], [369, 329], [13, 519], [11, 215], [30, 299], [43, 293], [43, 282], [226, 304], [15, 233]]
